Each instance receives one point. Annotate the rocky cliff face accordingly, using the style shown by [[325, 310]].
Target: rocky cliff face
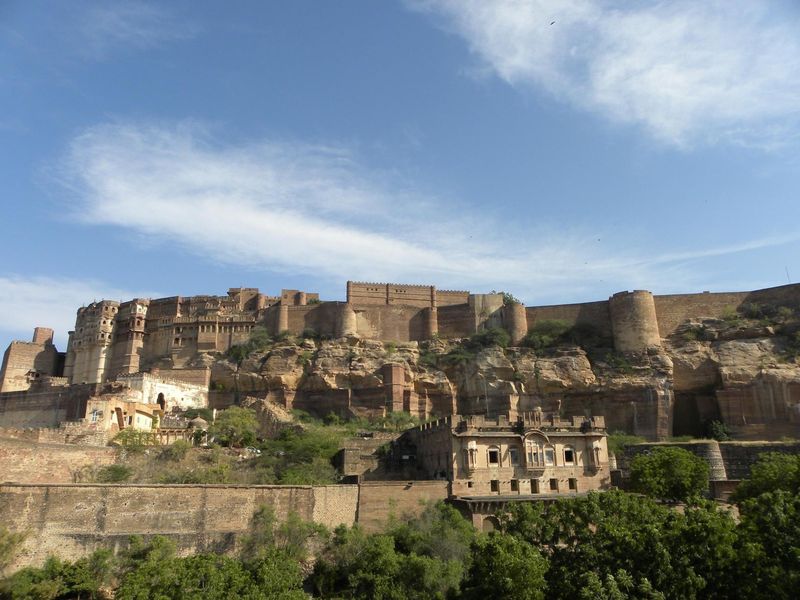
[[736, 374]]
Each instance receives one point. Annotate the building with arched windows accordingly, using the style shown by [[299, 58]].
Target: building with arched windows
[[490, 462]]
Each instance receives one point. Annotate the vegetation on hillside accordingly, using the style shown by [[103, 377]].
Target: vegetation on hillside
[[610, 545], [298, 455]]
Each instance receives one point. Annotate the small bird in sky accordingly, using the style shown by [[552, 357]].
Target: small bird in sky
[[552, 22]]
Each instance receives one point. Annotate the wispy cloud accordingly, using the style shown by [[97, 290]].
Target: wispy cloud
[[108, 26], [315, 209], [689, 72], [28, 302]]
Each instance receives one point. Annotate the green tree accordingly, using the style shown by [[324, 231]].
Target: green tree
[[773, 471], [620, 586], [669, 473], [235, 426], [319, 471], [176, 451], [399, 420], [292, 537], [87, 578], [769, 545], [422, 558], [504, 566], [688, 555], [357, 565], [438, 532]]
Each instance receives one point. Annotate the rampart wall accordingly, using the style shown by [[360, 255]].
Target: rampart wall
[[44, 408], [456, 321], [388, 322], [380, 501], [71, 520], [32, 461], [592, 313], [361, 293], [21, 358], [672, 310]]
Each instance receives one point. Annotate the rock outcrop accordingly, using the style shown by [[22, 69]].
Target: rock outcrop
[[708, 370]]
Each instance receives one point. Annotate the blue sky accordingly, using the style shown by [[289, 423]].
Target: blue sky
[[562, 150]]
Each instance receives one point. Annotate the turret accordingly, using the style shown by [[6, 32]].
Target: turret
[[283, 319], [346, 325], [633, 321], [431, 316], [515, 320]]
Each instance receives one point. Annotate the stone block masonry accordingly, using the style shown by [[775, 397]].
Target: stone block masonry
[[26, 461], [70, 521]]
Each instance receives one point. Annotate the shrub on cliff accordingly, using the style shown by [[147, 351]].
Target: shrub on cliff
[[135, 440], [113, 474], [671, 474], [494, 336], [547, 334], [176, 451], [235, 426]]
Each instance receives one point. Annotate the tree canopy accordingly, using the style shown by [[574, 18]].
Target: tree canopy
[[669, 473]]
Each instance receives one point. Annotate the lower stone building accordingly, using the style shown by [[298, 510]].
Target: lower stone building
[[492, 461]]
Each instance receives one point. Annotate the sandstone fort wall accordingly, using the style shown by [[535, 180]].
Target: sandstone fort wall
[[45, 408], [380, 501], [31, 461], [71, 520], [23, 357], [387, 322], [456, 321], [591, 313]]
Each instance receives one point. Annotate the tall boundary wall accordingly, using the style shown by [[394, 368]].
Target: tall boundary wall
[[26, 458], [72, 520], [671, 310], [69, 521]]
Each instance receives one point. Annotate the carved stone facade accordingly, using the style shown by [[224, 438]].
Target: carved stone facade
[[530, 455], [490, 462]]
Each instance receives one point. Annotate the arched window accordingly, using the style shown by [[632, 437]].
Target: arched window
[[570, 457]]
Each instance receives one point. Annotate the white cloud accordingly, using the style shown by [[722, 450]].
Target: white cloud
[[688, 71], [28, 302], [106, 26], [314, 209]]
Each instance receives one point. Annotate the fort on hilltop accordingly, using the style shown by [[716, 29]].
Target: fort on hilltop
[[148, 358], [113, 338]]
